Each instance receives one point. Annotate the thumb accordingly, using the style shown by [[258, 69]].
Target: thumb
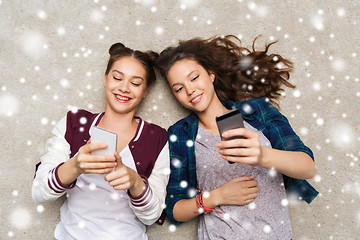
[[118, 161]]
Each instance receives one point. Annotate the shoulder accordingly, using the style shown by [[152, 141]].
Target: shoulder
[[184, 124], [255, 104], [154, 129], [152, 132], [260, 107], [80, 117]]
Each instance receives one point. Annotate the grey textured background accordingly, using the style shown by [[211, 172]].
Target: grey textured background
[[53, 56]]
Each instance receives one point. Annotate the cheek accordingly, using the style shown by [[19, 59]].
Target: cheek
[[181, 97], [139, 92]]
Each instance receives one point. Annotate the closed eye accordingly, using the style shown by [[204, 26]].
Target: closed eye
[[179, 89], [118, 79], [195, 78], [136, 84]]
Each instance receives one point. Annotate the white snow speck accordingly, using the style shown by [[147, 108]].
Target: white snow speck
[[189, 143], [183, 184], [320, 121], [189, 3], [172, 228], [173, 138], [297, 93], [252, 205], [317, 86], [32, 43], [226, 216], [96, 16], [267, 229], [272, 172], [41, 14], [317, 178], [81, 224], [342, 135], [44, 121], [176, 162], [304, 131], [92, 186], [20, 218], [338, 65], [64, 83], [40, 208], [61, 31], [9, 104], [159, 30], [83, 120], [318, 23], [145, 2], [284, 202], [340, 12]]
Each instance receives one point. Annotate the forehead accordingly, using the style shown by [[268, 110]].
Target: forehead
[[184, 67], [129, 66]]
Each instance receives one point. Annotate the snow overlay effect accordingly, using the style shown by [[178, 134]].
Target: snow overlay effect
[[53, 57]]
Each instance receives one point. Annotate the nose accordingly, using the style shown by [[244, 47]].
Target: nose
[[123, 86], [189, 89]]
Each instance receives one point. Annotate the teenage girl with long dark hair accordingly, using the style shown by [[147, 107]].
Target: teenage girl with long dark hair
[[247, 199]]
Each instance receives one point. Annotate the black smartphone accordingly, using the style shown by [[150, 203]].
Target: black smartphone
[[229, 120]]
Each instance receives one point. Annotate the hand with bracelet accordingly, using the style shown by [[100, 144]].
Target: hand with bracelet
[[238, 191]]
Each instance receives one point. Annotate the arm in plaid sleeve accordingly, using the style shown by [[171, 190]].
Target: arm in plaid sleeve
[[181, 167]]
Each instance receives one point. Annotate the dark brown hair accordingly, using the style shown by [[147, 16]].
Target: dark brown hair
[[240, 74], [147, 59]]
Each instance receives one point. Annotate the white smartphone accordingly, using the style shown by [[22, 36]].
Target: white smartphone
[[99, 135]]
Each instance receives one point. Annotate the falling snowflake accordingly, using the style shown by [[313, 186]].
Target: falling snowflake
[[20, 218], [9, 104]]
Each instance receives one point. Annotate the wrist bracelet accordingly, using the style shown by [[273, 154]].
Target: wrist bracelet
[[200, 204]]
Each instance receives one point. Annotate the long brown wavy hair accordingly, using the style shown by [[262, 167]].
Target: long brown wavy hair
[[240, 73]]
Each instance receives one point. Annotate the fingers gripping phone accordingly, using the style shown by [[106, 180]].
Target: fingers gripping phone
[[99, 135], [229, 120]]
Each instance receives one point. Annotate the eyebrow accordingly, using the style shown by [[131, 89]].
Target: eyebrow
[[135, 76], [186, 76]]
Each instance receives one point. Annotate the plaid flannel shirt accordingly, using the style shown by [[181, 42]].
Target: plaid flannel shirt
[[260, 114]]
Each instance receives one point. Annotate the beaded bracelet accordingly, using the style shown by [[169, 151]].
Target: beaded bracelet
[[200, 204]]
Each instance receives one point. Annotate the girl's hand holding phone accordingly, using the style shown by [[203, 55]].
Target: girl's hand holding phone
[[124, 178], [85, 162], [241, 150]]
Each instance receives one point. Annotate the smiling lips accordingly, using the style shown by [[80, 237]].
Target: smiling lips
[[196, 99], [122, 99]]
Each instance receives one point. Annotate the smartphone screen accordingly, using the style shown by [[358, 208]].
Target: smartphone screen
[[99, 135], [229, 120]]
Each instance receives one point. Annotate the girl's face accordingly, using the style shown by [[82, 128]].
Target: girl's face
[[192, 85], [125, 85]]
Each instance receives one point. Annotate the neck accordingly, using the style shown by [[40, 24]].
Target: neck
[[116, 122], [207, 119]]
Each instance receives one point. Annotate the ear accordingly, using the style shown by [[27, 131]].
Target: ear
[[146, 91], [212, 76], [104, 83]]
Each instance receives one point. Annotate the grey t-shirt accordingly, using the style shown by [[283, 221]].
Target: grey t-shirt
[[265, 218]]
